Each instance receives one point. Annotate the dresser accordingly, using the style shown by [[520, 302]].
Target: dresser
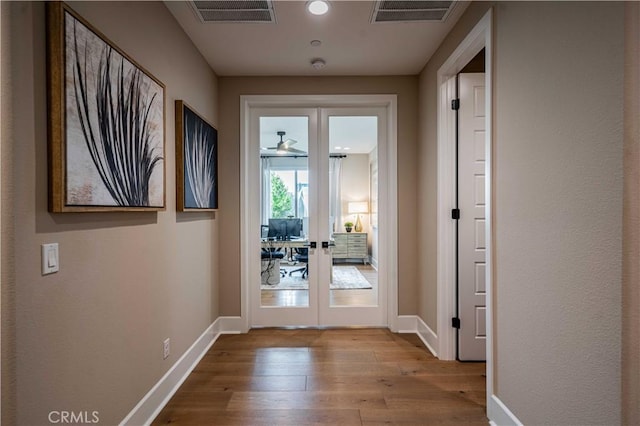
[[350, 245]]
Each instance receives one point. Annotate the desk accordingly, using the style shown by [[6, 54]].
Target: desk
[[299, 243], [286, 244]]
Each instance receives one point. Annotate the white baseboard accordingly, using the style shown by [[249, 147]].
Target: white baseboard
[[499, 414], [407, 324], [154, 401], [429, 338], [414, 324], [229, 325], [373, 262]]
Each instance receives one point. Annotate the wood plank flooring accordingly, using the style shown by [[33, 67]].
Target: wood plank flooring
[[327, 377]]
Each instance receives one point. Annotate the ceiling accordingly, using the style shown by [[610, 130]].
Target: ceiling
[[347, 135], [350, 43]]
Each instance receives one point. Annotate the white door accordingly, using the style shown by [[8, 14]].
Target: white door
[[352, 287], [295, 184], [284, 178], [471, 225]]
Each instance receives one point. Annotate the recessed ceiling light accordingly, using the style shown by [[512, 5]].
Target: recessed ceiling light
[[316, 43], [318, 7], [346, 148], [338, 147]]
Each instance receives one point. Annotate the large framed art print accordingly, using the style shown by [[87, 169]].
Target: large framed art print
[[196, 161], [106, 124]]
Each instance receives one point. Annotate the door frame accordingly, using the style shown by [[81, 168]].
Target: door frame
[[388, 214], [479, 37]]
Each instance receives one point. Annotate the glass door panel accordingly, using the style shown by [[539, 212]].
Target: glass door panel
[[353, 164], [284, 210]]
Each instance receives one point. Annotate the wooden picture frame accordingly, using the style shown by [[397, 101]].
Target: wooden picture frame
[[196, 161], [106, 122]]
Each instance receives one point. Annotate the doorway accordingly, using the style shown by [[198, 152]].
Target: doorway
[[480, 37], [319, 231]]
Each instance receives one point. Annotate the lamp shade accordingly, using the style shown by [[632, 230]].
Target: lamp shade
[[358, 207]]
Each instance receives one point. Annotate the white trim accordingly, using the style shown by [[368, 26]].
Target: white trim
[[228, 325], [389, 227], [499, 414], [154, 401], [479, 37], [446, 272], [414, 324], [428, 337], [407, 324], [247, 102]]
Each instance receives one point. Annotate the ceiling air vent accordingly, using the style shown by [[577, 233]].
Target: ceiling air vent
[[411, 11], [239, 11]]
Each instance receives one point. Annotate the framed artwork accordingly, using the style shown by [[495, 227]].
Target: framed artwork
[[196, 161], [106, 124]]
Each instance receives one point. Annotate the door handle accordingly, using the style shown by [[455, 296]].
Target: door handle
[[327, 244], [311, 244]]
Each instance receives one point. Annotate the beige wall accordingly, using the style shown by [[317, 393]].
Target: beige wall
[[355, 187], [558, 204], [426, 199], [558, 210], [90, 336], [231, 88], [7, 290], [631, 221]]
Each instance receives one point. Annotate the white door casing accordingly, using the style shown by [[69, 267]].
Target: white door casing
[[249, 192], [472, 222], [481, 36]]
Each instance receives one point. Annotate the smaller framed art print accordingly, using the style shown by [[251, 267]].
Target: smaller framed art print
[[105, 125], [196, 161]]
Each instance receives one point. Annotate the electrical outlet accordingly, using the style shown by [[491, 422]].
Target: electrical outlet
[[166, 348]]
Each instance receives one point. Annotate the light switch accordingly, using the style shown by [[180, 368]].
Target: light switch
[[50, 261]]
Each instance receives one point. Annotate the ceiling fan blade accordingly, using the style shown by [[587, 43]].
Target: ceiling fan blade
[[295, 151], [290, 142]]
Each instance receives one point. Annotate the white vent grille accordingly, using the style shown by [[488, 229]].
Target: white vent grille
[[411, 11], [239, 11]]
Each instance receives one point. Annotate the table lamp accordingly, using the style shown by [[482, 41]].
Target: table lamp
[[358, 207]]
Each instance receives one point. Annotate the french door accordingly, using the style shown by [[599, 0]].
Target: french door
[[312, 172]]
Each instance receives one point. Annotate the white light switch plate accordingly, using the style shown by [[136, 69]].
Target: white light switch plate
[[50, 259]]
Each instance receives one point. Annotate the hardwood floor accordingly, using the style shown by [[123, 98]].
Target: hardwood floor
[[332, 376]]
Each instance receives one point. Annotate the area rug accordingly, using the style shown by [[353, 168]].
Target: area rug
[[348, 278], [344, 278]]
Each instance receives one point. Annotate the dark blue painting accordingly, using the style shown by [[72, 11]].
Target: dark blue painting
[[198, 155]]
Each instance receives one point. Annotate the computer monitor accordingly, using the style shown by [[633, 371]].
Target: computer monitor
[[284, 229]]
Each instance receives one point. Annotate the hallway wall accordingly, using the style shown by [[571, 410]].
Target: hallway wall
[[426, 199], [631, 221], [558, 210], [89, 338], [557, 191], [231, 88]]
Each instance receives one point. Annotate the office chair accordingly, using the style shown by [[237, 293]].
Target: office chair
[[271, 253], [301, 255]]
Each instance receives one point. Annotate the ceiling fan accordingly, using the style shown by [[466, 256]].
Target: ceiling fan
[[284, 147]]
